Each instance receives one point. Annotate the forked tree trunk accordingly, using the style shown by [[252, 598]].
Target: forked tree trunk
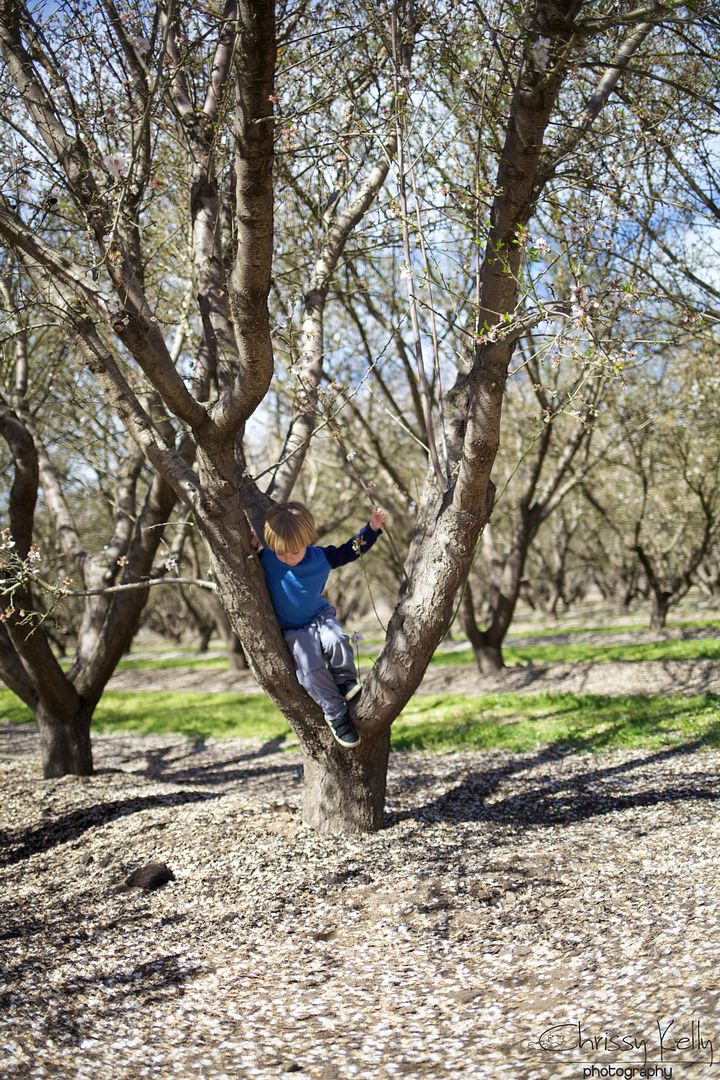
[[488, 654], [487, 644], [65, 742], [345, 790]]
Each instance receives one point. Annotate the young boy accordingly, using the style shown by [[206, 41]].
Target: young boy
[[296, 573]]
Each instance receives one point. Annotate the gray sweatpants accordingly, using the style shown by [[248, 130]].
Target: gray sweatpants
[[323, 659]]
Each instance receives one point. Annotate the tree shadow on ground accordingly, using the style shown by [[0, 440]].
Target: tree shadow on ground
[[22, 843], [16, 845], [67, 1022], [176, 763], [561, 800], [162, 765]]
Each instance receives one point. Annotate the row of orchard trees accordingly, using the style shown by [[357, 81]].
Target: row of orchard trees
[[264, 249]]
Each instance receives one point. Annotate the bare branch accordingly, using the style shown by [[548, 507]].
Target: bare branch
[[596, 101], [249, 283], [222, 61], [311, 359], [134, 586]]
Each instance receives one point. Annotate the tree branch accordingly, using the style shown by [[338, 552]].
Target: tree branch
[[311, 359], [596, 101], [249, 283]]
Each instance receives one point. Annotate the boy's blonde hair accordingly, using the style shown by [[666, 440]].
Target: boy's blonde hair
[[289, 527]]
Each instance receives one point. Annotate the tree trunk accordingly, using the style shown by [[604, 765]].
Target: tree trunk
[[236, 654], [627, 588], [345, 790], [65, 742], [660, 609], [488, 654], [556, 595], [237, 660], [206, 631], [623, 601]]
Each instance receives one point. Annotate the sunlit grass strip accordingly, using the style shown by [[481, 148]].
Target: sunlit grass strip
[[210, 663], [575, 722], [704, 649], [156, 712], [578, 653], [629, 628], [501, 721]]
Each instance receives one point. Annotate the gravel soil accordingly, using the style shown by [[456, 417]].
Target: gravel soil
[[525, 915]]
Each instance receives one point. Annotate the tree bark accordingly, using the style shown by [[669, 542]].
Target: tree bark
[[660, 609], [488, 657], [65, 741], [13, 674], [236, 654], [345, 790]]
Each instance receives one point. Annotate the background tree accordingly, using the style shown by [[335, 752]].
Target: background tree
[[664, 499], [44, 431]]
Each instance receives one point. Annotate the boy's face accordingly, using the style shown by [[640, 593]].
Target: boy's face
[[292, 558]]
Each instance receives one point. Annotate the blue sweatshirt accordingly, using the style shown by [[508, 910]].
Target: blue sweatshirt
[[296, 591]]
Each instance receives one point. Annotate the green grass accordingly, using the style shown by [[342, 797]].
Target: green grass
[[501, 721], [164, 663], [249, 716], [219, 663], [629, 628], [578, 722], [703, 649]]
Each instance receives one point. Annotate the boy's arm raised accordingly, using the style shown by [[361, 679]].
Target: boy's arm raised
[[352, 549]]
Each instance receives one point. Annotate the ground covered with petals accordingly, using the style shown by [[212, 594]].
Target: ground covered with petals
[[524, 915]]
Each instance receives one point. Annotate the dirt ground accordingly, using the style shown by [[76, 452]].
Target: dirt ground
[[514, 908]]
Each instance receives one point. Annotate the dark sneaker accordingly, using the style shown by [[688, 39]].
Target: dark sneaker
[[343, 731], [350, 690]]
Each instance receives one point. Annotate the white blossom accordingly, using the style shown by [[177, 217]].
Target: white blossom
[[140, 43], [541, 53], [117, 164]]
